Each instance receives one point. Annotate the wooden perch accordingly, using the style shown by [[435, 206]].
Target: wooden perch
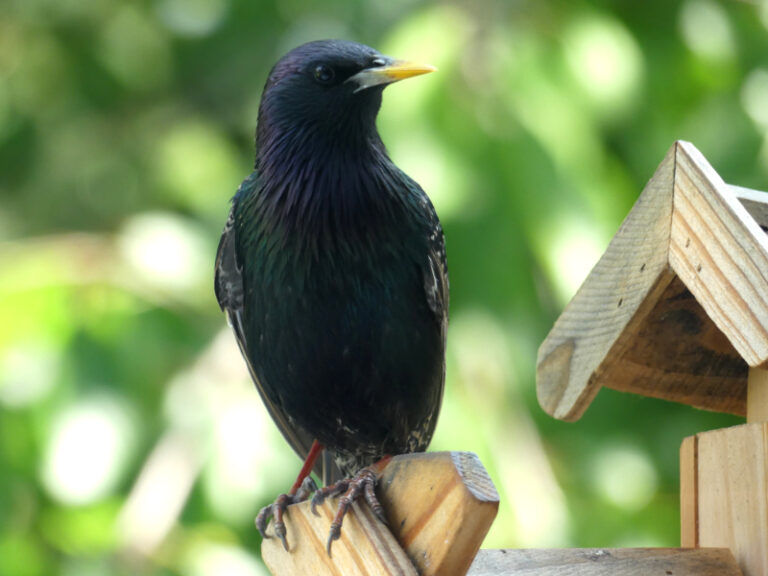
[[439, 507], [607, 562], [677, 307]]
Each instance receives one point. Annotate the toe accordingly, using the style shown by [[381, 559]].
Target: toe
[[280, 532], [261, 520], [333, 535]]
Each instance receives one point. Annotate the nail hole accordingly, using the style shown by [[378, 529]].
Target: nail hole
[[642, 268], [687, 242], [621, 301], [698, 268]]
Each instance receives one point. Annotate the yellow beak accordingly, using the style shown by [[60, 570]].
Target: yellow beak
[[392, 72]]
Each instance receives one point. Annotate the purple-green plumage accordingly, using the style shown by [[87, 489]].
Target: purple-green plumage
[[332, 267]]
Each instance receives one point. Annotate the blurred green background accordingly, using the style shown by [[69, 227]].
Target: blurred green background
[[132, 442]]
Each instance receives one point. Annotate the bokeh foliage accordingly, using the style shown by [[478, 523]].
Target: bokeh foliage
[[131, 441]]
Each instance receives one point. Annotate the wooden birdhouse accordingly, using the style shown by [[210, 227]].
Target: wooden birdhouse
[[677, 308]]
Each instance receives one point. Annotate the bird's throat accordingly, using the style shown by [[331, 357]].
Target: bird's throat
[[324, 195]]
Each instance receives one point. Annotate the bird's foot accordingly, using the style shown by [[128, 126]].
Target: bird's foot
[[277, 508], [361, 484]]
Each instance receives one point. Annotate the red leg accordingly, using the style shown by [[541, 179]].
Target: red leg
[[298, 493], [309, 463]]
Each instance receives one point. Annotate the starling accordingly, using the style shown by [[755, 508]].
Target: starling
[[332, 272]]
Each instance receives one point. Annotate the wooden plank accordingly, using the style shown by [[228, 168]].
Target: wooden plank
[[607, 562], [366, 546], [721, 254], [677, 353], [757, 395], [689, 498], [733, 493], [619, 290], [439, 507]]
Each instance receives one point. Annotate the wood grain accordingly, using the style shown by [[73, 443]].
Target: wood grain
[[439, 506], [757, 395], [607, 562], [721, 254], [613, 296], [677, 353], [733, 493], [366, 546], [689, 493]]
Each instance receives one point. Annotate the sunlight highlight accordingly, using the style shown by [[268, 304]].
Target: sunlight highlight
[[213, 559], [706, 30], [166, 251], [605, 60], [571, 247], [234, 480], [87, 448], [625, 476], [754, 97], [135, 50], [198, 165], [193, 18], [28, 373]]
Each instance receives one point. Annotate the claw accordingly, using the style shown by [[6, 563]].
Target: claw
[[362, 484], [280, 532], [333, 534], [315, 502], [276, 510], [261, 520]]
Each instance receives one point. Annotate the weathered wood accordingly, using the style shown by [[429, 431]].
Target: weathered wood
[[616, 292], [678, 354], [607, 562], [757, 395], [366, 546], [677, 307], [721, 254], [439, 507], [689, 498], [732, 493]]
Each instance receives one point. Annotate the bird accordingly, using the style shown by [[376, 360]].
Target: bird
[[332, 272]]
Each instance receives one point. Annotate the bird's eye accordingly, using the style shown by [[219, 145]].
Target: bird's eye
[[324, 74], [377, 62]]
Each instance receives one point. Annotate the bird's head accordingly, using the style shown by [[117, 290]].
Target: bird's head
[[328, 88]]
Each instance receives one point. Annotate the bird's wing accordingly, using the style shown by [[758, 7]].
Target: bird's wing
[[436, 285], [435, 270], [229, 288]]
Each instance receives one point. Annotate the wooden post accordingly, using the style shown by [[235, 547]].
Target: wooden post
[[689, 497], [439, 507], [725, 474], [724, 484], [757, 395]]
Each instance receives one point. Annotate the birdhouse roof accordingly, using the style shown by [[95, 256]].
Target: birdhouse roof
[[677, 306]]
